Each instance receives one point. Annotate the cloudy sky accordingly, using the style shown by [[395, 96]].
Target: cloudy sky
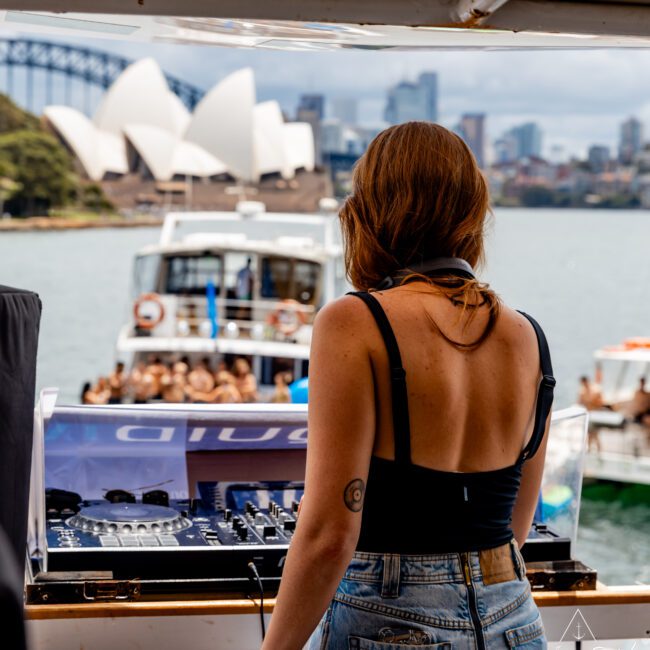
[[577, 97]]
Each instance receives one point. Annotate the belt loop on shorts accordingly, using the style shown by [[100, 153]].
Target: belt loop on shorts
[[390, 576], [515, 560]]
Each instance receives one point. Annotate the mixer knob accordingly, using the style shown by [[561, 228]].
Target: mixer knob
[[259, 519], [289, 525], [282, 517], [119, 496], [227, 514], [269, 531], [243, 533], [294, 506], [237, 522], [248, 506]]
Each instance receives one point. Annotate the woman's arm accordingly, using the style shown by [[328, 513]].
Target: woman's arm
[[531, 481], [341, 436]]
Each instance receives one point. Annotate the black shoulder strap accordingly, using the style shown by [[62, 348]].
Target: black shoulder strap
[[400, 407], [544, 393]]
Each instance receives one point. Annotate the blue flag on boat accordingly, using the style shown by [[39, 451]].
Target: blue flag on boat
[[211, 294]]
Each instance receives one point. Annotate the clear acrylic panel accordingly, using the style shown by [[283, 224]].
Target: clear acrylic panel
[[559, 504]]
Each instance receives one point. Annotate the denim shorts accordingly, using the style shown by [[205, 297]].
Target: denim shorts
[[446, 601]]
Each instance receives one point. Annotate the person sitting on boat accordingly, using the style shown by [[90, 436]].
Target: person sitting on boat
[[200, 382], [97, 394], [640, 407], [182, 366], [429, 406], [117, 382], [173, 383], [245, 380], [226, 391], [94, 394], [141, 383], [156, 369], [590, 396], [282, 394]]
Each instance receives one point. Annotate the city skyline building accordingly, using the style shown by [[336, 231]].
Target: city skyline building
[[407, 100], [505, 148], [522, 141], [332, 136], [472, 129], [312, 103], [528, 138], [429, 83], [598, 158], [311, 110], [345, 109], [631, 140]]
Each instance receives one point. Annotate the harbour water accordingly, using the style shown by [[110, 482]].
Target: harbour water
[[585, 275]]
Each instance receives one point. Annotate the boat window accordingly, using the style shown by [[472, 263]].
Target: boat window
[[276, 278], [239, 279], [306, 276], [147, 268], [286, 278], [189, 274]]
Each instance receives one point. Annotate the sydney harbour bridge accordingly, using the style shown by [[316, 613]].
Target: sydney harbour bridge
[[30, 64]]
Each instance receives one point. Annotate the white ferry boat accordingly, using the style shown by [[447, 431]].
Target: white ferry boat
[[228, 291]]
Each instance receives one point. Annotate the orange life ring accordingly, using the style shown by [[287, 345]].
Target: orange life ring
[[288, 318], [146, 323]]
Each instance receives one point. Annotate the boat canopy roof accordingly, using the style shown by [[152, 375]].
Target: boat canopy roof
[[239, 231], [298, 248], [362, 24], [623, 354]]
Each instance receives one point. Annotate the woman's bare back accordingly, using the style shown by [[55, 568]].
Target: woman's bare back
[[470, 410]]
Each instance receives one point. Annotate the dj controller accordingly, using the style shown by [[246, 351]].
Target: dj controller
[[154, 537]]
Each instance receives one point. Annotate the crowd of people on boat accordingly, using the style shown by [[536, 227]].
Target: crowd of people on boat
[[181, 381]]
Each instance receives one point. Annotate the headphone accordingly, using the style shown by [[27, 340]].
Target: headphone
[[456, 265]]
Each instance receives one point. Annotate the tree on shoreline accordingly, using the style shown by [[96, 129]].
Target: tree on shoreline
[[35, 169], [43, 171]]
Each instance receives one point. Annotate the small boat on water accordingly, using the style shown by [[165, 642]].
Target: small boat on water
[[247, 285], [619, 436]]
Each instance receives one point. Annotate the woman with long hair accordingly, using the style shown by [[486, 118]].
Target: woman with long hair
[[428, 410]]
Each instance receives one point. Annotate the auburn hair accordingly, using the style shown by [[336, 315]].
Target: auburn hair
[[418, 194]]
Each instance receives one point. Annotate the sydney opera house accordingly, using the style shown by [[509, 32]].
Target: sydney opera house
[[143, 128]]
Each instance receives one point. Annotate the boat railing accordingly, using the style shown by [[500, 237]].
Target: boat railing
[[235, 318]]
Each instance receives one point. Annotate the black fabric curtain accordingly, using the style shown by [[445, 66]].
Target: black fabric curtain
[[11, 598], [20, 315]]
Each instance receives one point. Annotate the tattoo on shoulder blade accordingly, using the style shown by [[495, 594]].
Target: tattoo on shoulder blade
[[353, 495]]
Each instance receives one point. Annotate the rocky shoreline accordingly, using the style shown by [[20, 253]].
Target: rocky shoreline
[[28, 224]]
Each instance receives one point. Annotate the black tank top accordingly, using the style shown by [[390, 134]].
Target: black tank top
[[411, 509]]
